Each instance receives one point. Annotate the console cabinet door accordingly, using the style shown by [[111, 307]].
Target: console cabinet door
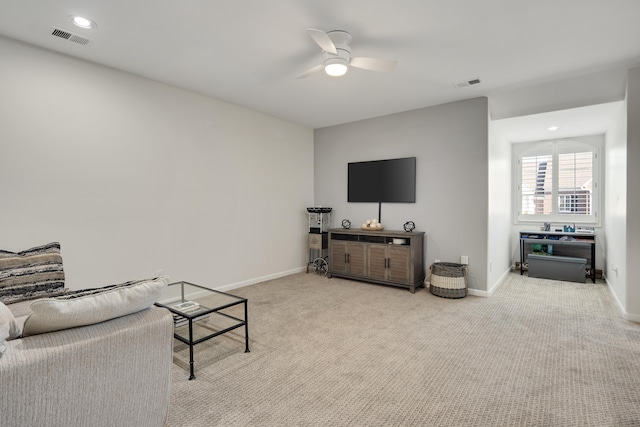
[[356, 259], [377, 261], [388, 262], [348, 258], [398, 264], [338, 257]]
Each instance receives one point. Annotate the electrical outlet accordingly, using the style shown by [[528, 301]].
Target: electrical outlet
[[437, 260], [464, 259]]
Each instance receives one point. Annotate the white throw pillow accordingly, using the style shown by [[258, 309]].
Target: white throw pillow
[[9, 328], [86, 307]]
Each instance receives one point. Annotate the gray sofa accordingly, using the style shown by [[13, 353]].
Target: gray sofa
[[113, 373]]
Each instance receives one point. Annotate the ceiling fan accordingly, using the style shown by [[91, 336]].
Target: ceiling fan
[[336, 55]]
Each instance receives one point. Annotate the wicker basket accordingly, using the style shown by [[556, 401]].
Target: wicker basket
[[448, 280]]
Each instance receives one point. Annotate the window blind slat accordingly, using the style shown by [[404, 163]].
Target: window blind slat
[[575, 177], [537, 185]]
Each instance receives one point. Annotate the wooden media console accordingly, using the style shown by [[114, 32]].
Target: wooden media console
[[386, 257]]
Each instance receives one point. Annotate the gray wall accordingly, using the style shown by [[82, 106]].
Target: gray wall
[[450, 143], [132, 176]]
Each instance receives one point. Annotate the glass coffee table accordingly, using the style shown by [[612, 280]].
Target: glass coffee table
[[198, 316]]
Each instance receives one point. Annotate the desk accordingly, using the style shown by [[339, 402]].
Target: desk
[[575, 244]]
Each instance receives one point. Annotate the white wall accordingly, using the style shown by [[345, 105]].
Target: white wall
[[132, 176], [450, 144], [623, 202], [633, 193], [499, 243], [601, 229], [614, 267]]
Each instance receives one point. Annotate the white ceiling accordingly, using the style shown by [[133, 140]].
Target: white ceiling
[[248, 52], [588, 120]]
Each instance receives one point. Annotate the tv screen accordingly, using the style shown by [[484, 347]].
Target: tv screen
[[389, 181]]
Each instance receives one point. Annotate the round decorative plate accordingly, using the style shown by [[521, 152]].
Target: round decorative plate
[[409, 226], [346, 224]]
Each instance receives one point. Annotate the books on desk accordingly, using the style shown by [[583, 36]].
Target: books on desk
[[187, 307], [181, 321]]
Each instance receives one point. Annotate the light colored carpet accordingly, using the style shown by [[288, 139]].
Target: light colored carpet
[[333, 352]]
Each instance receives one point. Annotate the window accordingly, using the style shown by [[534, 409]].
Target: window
[[557, 181]]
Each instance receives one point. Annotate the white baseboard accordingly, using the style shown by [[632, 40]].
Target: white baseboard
[[236, 285], [631, 317], [626, 316], [478, 293], [493, 288], [250, 282]]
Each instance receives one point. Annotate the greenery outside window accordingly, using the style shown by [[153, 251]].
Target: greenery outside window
[[557, 181]]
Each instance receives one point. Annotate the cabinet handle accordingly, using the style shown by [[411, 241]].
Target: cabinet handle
[[345, 258], [385, 263], [349, 258], [388, 262]]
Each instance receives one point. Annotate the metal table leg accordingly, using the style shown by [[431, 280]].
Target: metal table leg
[[246, 327], [521, 256], [192, 376]]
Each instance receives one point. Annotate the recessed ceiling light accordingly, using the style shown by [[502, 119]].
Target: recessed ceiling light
[[82, 22], [552, 128]]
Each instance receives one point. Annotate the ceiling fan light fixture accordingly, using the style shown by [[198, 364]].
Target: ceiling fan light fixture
[[336, 55], [335, 70], [335, 67]]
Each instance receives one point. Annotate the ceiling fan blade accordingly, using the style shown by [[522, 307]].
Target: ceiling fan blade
[[323, 40], [310, 71], [373, 64]]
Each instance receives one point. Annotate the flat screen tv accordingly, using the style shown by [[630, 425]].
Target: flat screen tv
[[383, 181]]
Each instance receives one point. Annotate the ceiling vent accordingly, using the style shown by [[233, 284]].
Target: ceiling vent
[[57, 32], [467, 83]]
